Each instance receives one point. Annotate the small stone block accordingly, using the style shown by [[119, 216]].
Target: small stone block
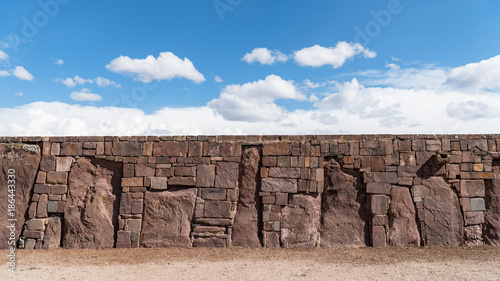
[[477, 204], [159, 183], [378, 188]]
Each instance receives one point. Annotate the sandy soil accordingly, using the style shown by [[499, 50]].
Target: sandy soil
[[481, 263]]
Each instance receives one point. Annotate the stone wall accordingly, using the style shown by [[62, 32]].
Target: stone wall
[[253, 191]]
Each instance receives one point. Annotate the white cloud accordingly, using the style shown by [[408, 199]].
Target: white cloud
[[19, 94], [264, 56], [77, 80], [21, 73], [471, 110], [166, 67], [254, 101], [104, 82], [59, 62], [217, 79], [317, 56], [483, 75], [3, 56], [392, 66], [85, 95], [4, 45], [4, 73]]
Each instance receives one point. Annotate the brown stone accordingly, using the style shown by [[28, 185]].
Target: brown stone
[[213, 193], [276, 149], [246, 222], [473, 218], [184, 171], [91, 214], [300, 221], [388, 177], [41, 211], [52, 237], [344, 219], [378, 188], [379, 204], [226, 175], [170, 148], [144, 170], [492, 214], [472, 188], [403, 230], [132, 182], [63, 164], [292, 173], [167, 218], [377, 163], [205, 175], [71, 149], [159, 183], [58, 189], [219, 209], [212, 242], [41, 188], [181, 181], [279, 185], [48, 163], [379, 239], [57, 177], [444, 225]]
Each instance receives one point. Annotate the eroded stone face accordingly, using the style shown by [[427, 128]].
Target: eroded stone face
[[167, 218], [492, 215], [25, 163], [344, 218], [91, 212], [444, 224], [403, 230], [300, 221]]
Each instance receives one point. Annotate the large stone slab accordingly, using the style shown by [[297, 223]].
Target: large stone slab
[[444, 224], [91, 214], [25, 164], [403, 230], [492, 214], [167, 218], [246, 223], [52, 237], [300, 221], [344, 218]]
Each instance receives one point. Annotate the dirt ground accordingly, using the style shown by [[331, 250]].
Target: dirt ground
[[482, 263]]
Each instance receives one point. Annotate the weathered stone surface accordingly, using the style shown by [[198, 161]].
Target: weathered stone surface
[[344, 219], [170, 148], [492, 214], [63, 164], [473, 218], [226, 175], [212, 242], [444, 225], [57, 177], [167, 218], [276, 149], [205, 175], [378, 188], [41, 210], [389, 177], [279, 185], [403, 230], [300, 221], [379, 236], [91, 214], [379, 204], [246, 223], [159, 183], [292, 173], [71, 149], [181, 181], [472, 188], [218, 209], [144, 170], [213, 193], [52, 237]]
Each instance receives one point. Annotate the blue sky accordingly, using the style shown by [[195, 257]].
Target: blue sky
[[72, 67]]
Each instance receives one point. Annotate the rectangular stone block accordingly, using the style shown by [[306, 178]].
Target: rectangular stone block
[[159, 183], [472, 188], [71, 149], [378, 188], [292, 173], [55, 207], [63, 164], [57, 177], [41, 189], [473, 218], [41, 211], [170, 148], [226, 174], [279, 185], [380, 220], [388, 177], [48, 163], [182, 181], [144, 170], [377, 163], [218, 209], [213, 193], [205, 175], [126, 182], [271, 161], [276, 149], [195, 149], [58, 189], [36, 224], [184, 171], [379, 204], [477, 204], [379, 239]]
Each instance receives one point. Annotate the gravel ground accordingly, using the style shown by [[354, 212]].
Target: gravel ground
[[481, 263]]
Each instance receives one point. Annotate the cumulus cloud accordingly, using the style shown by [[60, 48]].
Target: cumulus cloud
[[85, 95], [217, 79], [77, 80], [22, 74], [254, 101], [166, 67], [3, 55], [264, 56], [483, 75], [471, 110], [4, 73], [317, 56]]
